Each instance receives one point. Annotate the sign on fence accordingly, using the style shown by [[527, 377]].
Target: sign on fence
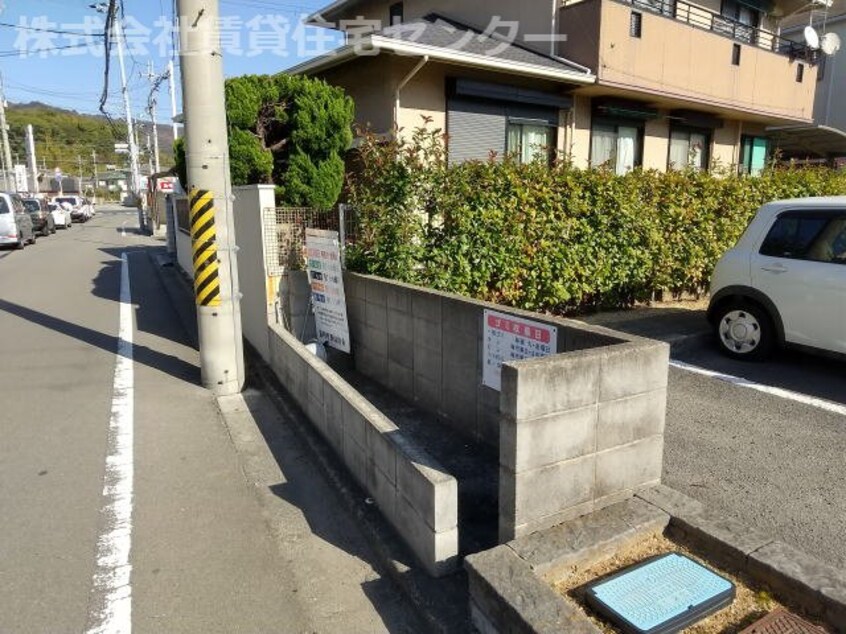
[[327, 288], [510, 338]]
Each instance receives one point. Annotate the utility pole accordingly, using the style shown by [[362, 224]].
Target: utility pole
[[7, 150], [116, 28], [96, 176], [79, 162], [33, 163], [171, 75], [210, 197]]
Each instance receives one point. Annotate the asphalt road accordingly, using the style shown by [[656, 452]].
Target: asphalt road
[[772, 461], [206, 554]]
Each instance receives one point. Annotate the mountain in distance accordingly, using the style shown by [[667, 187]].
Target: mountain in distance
[[63, 137]]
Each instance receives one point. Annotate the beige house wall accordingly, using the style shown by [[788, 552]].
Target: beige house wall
[[673, 60], [579, 149], [725, 146], [656, 144], [369, 82]]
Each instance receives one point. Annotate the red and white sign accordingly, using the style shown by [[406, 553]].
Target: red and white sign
[[166, 186], [510, 338]]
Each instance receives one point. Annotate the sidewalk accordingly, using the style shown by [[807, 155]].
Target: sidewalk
[[237, 528]]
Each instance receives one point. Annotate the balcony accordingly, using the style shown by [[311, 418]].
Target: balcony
[[682, 54], [701, 18]]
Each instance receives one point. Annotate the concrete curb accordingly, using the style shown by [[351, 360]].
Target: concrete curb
[[440, 603], [510, 591], [179, 291]]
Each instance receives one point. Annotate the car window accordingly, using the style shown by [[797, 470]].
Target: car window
[[830, 245], [32, 205], [792, 236], [4, 206]]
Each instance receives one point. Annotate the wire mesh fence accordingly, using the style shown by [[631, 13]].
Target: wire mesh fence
[[285, 233]]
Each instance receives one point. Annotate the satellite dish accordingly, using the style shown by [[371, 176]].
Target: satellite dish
[[812, 38], [830, 43]]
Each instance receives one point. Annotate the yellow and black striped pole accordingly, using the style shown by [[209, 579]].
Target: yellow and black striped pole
[[204, 242], [216, 286]]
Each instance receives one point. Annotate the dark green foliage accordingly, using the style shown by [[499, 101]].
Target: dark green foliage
[[556, 238], [61, 136], [291, 131], [179, 160]]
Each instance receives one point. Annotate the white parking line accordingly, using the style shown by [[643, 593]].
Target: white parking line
[[790, 395], [111, 595]]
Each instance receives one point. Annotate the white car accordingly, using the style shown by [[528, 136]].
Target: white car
[[61, 215], [784, 284], [81, 209]]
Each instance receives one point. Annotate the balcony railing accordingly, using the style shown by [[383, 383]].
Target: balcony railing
[[702, 18]]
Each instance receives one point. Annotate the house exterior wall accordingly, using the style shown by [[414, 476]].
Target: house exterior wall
[[371, 88], [831, 90], [660, 62]]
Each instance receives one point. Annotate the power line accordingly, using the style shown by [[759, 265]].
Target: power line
[[44, 30], [38, 51]]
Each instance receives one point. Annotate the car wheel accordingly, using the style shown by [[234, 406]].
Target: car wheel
[[745, 331]]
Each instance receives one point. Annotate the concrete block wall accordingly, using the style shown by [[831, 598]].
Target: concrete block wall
[[579, 431], [576, 431], [427, 347], [415, 494]]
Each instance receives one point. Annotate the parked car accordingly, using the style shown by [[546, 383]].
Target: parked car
[[784, 284], [80, 208], [61, 216], [43, 222], [15, 223]]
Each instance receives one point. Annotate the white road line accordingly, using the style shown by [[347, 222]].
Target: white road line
[[110, 609], [828, 406]]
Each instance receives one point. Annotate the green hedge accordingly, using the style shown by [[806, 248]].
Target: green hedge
[[555, 238]]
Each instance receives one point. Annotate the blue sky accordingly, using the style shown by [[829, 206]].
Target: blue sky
[[261, 36]]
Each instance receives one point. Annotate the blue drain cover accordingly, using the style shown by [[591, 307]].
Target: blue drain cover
[[661, 595]]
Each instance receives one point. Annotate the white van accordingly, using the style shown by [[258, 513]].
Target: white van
[[15, 223]]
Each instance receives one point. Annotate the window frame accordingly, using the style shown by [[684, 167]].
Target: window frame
[[522, 123], [396, 13], [617, 123], [706, 154], [829, 216]]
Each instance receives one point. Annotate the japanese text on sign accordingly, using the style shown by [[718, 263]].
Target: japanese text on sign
[[510, 338], [327, 288]]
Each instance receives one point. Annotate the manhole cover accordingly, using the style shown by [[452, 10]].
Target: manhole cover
[[783, 622], [661, 595]]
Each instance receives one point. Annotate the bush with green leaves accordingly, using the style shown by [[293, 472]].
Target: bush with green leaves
[[291, 131], [552, 238]]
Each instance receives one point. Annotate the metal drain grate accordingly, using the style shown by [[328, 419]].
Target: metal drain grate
[[783, 622], [661, 595]]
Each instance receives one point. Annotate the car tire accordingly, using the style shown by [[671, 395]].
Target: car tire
[[745, 331]]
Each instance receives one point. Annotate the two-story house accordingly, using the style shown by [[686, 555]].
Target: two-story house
[[652, 83]]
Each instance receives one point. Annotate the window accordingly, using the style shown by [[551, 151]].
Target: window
[[4, 206], [800, 72], [742, 22], [689, 148], [618, 146], [396, 13], [636, 24], [530, 141], [803, 237], [753, 154], [735, 55]]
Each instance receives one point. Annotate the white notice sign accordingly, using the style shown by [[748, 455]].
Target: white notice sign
[[510, 338], [327, 288]]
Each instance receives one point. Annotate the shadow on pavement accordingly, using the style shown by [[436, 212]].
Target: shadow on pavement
[[154, 313], [168, 364]]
